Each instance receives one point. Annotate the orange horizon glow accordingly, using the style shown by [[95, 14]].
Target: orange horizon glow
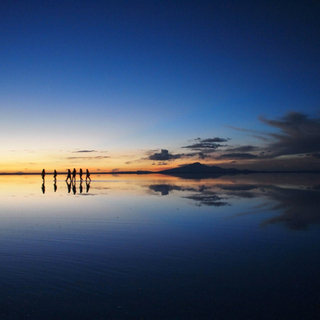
[[20, 168], [61, 161], [20, 162]]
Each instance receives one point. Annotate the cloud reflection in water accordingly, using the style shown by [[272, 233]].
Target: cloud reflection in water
[[298, 206]]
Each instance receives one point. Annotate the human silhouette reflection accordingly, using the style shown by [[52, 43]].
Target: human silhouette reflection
[[74, 188], [88, 175], [68, 175], [68, 182], [43, 174], [87, 185], [71, 186]]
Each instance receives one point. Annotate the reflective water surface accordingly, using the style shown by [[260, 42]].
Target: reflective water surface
[[158, 247]]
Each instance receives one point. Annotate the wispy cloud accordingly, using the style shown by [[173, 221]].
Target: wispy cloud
[[88, 158], [242, 149], [237, 156], [84, 151], [206, 145]]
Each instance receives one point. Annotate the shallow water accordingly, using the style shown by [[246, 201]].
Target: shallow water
[[158, 247]]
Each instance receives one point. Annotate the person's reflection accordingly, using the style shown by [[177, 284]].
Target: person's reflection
[[80, 186], [68, 182], [88, 186], [74, 188], [43, 188], [55, 185], [68, 176]]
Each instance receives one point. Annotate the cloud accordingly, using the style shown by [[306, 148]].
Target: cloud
[[83, 151], [202, 155], [216, 139], [298, 134], [206, 145], [202, 149], [242, 149], [164, 155], [88, 158], [238, 156]]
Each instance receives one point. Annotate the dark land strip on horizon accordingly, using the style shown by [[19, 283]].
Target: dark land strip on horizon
[[194, 169]]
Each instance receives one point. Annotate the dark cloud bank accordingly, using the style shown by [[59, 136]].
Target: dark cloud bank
[[298, 136]]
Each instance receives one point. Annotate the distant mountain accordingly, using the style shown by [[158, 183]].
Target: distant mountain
[[201, 169]]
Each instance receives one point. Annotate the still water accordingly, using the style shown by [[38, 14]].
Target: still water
[[158, 247]]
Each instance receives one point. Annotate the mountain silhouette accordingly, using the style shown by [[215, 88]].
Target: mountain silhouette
[[197, 169]]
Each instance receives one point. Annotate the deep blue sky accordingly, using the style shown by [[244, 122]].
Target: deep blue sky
[[125, 79]]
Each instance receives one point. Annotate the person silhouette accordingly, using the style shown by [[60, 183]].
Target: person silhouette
[[43, 174], [88, 175], [69, 175], [74, 173], [55, 174], [80, 174]]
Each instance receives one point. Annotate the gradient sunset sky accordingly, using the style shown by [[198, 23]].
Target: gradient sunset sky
[[133, 85]]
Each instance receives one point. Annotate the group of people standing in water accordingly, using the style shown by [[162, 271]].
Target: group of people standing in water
[[74, 173], [70, 176], [70, 181]]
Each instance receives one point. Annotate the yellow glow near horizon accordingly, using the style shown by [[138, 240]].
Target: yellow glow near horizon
[[33, 161]]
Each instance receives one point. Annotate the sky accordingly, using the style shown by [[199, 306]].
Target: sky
[[150, 85]]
